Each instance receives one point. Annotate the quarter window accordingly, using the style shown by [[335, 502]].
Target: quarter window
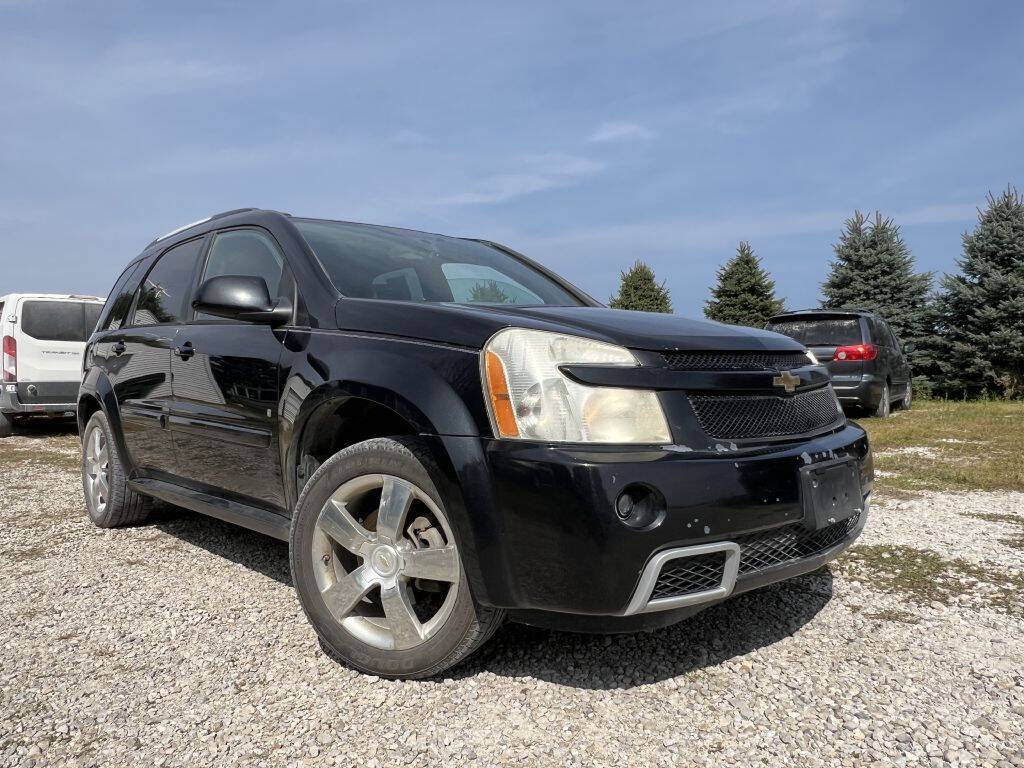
[[119, 300], [162, 294]]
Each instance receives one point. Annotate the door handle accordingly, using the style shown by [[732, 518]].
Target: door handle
[[118, 348], [185, 351]]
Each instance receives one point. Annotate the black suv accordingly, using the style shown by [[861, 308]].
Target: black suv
[[865, 359], [448, 434]]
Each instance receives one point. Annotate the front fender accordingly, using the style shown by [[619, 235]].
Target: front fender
[[434, 389]]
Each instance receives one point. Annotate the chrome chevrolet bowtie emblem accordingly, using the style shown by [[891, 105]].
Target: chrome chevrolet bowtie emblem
[[787, 381]]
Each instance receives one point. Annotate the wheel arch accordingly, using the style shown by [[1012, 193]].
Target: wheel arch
[[97, 394], [339, 414]]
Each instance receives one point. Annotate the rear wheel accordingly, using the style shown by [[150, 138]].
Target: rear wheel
[[905, 402], [5, 425], [882, 410], [377, 565], [108, 498]]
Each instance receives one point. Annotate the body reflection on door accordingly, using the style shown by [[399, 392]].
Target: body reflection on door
[[223, 414], [137, 362]]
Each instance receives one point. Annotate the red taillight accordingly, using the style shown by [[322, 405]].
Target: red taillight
[[10, 359], [856, 352]]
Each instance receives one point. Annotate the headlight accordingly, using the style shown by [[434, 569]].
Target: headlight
[[811, 357], [530, 399]]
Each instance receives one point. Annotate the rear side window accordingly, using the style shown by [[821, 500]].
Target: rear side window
[[895, 342], [820, 331], [119, 300], [879, 333], [59, 320], [162, 294]]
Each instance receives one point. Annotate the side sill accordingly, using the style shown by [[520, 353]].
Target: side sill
[[253, 518]]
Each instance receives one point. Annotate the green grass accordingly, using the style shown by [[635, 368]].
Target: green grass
[[11, 457], [924, 576], [966, 446]]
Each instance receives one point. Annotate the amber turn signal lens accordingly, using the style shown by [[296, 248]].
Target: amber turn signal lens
[[501, 402]]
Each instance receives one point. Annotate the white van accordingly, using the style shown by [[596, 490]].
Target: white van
[[43, 338]]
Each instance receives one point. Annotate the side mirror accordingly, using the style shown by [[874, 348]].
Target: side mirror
[[241, 297], [909, 347]]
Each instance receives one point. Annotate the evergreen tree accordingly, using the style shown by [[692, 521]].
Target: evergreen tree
[[488, 293], [745, 294], [979, 346], [640, 291], [874, 269]]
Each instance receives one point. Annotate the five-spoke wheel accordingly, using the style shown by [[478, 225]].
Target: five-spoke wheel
[[96, 469], [376, 563], [108, 498], [385, 561]]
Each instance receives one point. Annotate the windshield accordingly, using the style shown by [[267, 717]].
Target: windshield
[[371, 262], [59, 320], [820, 331]]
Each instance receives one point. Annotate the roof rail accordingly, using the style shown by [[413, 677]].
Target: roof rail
[[200, 221], [828, 309]]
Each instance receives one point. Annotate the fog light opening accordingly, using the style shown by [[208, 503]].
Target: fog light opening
[[640, 506]]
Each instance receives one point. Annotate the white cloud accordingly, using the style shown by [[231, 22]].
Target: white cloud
[[673, 234], [615, 131], [938, 214], [536, 173]]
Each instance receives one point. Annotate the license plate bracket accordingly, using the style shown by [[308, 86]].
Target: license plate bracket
[[830, 492]]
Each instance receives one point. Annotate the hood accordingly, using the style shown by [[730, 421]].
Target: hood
[[472, 325]]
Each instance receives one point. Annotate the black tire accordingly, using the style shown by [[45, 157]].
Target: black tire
[[6, 426], [123, 506], [468, 625], [904, 404], [883, 408]]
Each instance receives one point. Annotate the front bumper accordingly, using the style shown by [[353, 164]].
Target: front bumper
[[11, 402], [548, 540], [862, 389]]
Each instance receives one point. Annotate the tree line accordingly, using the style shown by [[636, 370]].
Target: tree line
[[967, 329]]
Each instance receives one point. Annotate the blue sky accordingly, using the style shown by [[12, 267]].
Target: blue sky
[[585, 134]]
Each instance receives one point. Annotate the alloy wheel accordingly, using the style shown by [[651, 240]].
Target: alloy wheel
[[385, 561], [97, 469]]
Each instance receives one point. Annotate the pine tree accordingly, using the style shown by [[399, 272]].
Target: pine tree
[[874, 269], [979, 313], [640, 291], [488, 293], [745, 294]]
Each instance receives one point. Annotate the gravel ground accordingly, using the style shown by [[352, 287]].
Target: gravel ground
[[181, 643]]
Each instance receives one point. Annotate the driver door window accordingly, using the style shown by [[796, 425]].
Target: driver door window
[[250, 253]]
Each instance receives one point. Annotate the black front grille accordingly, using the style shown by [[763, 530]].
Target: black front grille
[[792, 542], [687, 575], [735, 361], [741, 417]]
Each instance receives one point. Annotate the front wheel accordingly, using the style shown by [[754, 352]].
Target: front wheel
[[377, 565]]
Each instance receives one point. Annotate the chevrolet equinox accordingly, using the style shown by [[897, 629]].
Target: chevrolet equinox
[[448, 434]]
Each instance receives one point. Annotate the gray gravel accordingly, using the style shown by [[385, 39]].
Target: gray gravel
[[182, 644]]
